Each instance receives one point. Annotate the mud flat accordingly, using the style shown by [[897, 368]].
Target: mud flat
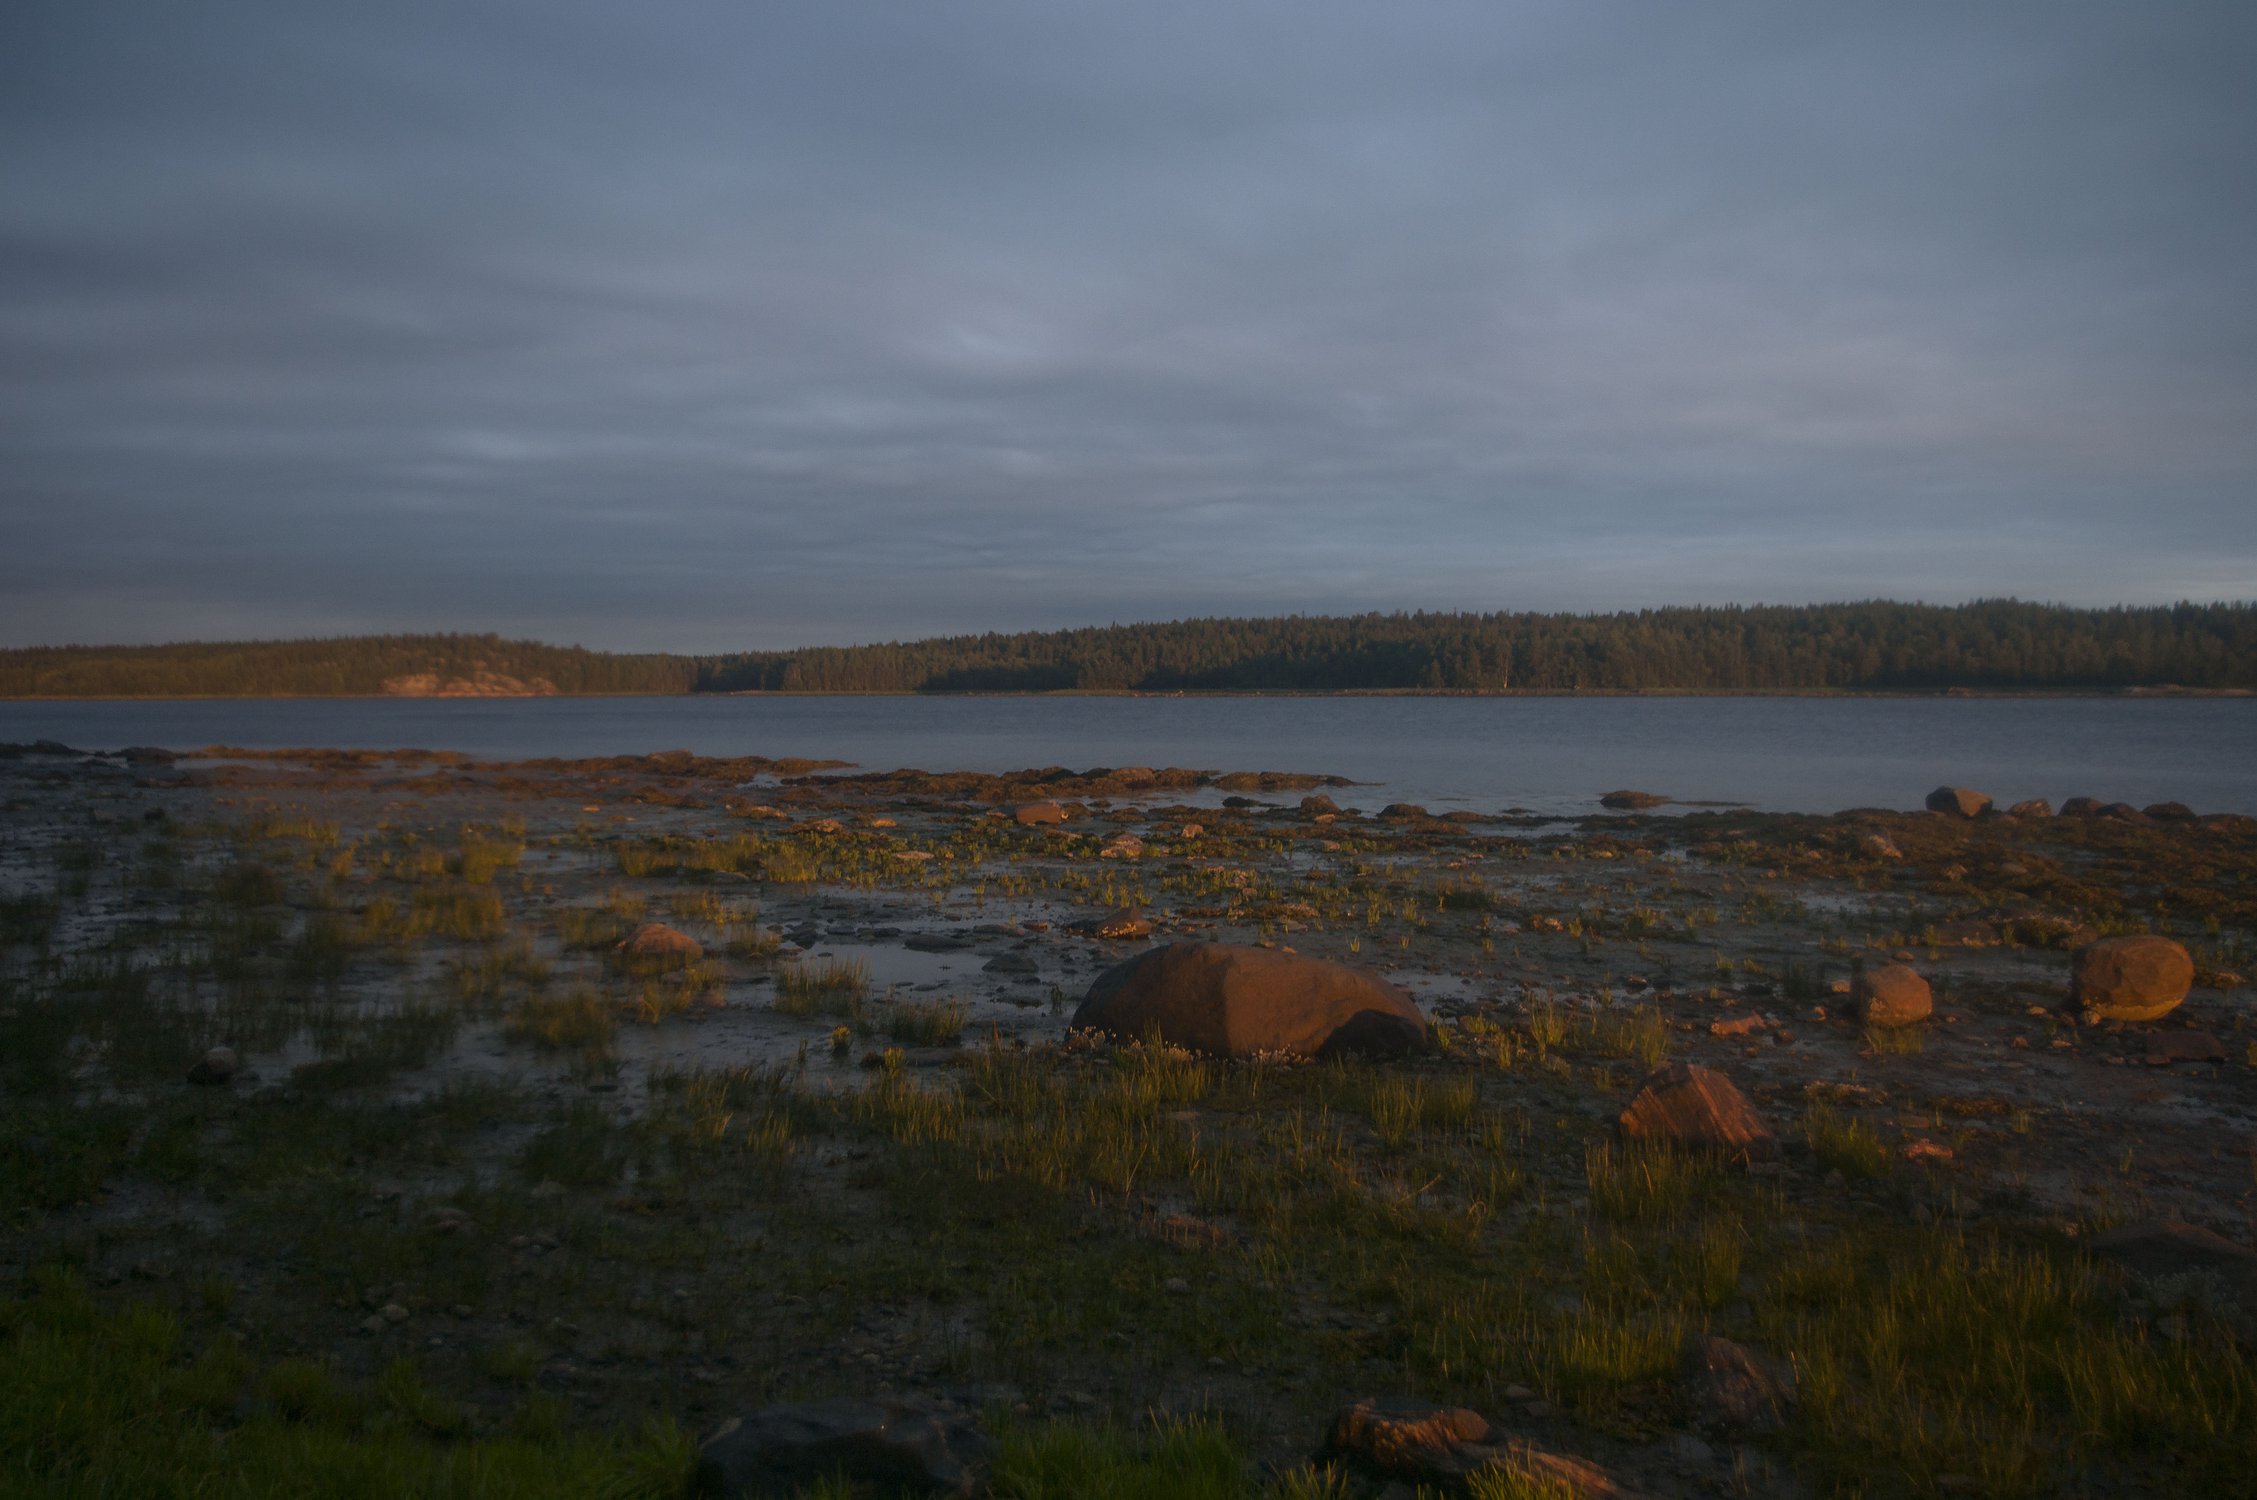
[[480, 1177]]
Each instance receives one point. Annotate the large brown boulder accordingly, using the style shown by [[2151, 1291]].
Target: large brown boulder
[[1697, 1109], [1031, 814], [1732, 1388], [1960, 800], [1235, 1001], [1892, 995], [2130, 978]]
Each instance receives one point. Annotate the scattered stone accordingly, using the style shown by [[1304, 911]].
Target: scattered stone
[[1629, 801], [1962, 801], [1118, 927], [2168, 1047], [1236, 1001], [1699, 1109], [1892, 995], [887, 1445], [2035, 807], [657, 940], [2172, 1247], [1448, 1445], [1730, 1388], [2139, 978], [1412, 1439], [1881, 847], [217, 1066], [1029, 814]]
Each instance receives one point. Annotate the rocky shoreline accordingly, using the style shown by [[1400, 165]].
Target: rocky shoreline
[[456, 1103]]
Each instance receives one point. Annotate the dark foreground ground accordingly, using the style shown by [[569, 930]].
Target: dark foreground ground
[[492, 1208]]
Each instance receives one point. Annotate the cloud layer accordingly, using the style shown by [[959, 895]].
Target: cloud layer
[[709, 325]]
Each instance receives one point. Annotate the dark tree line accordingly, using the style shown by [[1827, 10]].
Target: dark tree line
[[1875, 646]]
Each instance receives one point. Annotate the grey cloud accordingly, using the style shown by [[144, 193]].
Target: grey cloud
[[709, 325]]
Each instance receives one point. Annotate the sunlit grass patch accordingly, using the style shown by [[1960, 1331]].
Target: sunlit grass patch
[[479, 859], [830, 988], [1401, 1107], [582, 1021], [468, 912], [1637, 1182], [934, 1023], [1843, 1143], [487, 977]]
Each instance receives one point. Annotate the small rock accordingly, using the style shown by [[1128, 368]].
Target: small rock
[[1318, 804], [2169, 812], [1029, 814], [1698, 1108], [2167, 1047], [394, 1313], [1632, 801], [657, 940], [1892, 995], [2172, 1247], [215, 1067], [1731, 1388], [2035, 807], [888, 1446]]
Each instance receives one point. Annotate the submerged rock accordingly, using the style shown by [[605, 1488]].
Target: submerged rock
[[2130, 978], [890, 1446], [1235, 1001], [1892, 995], [1698, 1109], [1628, 801]]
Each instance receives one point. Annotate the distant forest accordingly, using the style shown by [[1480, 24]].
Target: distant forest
[[347, 667], [1813, 648], [1866, 647]]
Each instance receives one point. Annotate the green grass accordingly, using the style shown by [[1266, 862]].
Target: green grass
[[1844, 1144], [111, 1401]]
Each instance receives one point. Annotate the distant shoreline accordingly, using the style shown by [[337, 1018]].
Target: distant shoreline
[[2154, 692]]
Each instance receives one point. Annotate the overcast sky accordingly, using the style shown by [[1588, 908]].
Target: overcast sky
[[710, 324]]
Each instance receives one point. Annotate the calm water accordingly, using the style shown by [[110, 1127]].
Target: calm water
[[1548, 754]]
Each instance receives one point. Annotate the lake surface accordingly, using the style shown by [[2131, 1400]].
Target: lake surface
[[1553, 755]]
